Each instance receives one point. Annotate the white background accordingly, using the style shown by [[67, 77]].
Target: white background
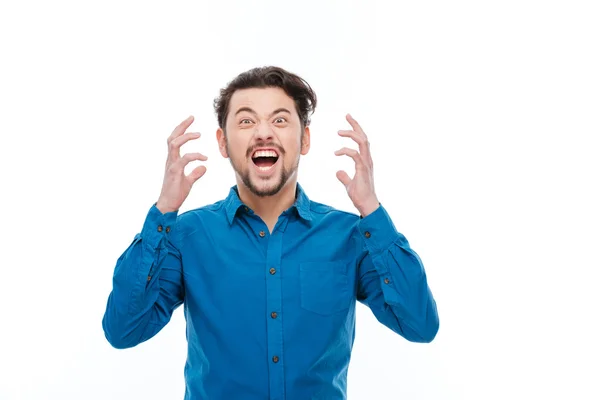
[[484, 123]]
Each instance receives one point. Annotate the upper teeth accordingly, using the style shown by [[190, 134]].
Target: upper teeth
[[265, 153]]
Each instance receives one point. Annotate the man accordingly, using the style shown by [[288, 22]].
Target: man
[[268, 278]]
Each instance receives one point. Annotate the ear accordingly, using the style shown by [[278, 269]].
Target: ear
[[305, 141], [222, 140]]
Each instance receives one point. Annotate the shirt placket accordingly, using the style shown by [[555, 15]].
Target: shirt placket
[[275, 312]]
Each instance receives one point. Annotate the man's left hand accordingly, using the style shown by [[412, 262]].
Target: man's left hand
[[361, 188]]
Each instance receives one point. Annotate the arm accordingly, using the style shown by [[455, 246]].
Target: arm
[[147, 284], [392, 280], [148, 279]]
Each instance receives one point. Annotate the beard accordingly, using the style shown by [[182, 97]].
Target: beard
[[257, 189]]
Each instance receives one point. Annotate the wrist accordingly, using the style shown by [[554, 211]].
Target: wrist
[[163, 208], [369, 207]]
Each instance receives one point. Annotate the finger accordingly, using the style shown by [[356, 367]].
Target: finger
[[363, 143], [189, 157], [176, 143], [343, 177], [180, 129], [355, 125], [196, 174], [355, 155]]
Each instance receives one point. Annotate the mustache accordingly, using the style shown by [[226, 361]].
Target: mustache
[[252, 149]]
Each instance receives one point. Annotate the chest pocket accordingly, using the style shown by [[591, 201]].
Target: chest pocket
[[324, 287]]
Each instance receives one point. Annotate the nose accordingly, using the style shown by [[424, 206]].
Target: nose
[[263, 132]]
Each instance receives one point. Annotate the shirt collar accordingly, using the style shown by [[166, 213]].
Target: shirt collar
[[233, 203]]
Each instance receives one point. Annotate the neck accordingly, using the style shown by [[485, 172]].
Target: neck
[[269, 208]]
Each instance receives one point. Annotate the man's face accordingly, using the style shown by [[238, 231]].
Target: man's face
[[263, 139]]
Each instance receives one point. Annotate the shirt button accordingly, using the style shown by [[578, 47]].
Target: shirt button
[[149, 277], [159, 228], [273, 315], [261, 233], [246, 209], [275, 359], [386, 280], [272, 271], [367, 234], [168, 229]]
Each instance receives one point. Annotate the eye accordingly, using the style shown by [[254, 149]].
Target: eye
[[245, 121], [280, 120]]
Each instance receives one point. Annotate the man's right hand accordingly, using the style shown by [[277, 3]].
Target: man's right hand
[[176, 185]]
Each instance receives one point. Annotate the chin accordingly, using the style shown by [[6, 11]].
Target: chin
[[265, 182], [264, 186], [264, 189]]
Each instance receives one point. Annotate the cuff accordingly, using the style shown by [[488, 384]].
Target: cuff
[[378, 230], [157, 226]]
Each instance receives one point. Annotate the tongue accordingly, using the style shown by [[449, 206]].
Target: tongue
[[264, 161]]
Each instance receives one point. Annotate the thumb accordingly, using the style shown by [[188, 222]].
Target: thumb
[[197, 173], [343, 177]]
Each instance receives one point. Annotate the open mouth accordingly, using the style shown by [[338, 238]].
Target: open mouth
[[265, 159]]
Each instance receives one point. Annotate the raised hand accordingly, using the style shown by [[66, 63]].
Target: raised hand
[[361, 188], [176, 185]]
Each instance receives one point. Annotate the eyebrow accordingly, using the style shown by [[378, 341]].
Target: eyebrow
[[251, 111]]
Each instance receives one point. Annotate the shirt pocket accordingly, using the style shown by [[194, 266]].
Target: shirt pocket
[[324, 287]]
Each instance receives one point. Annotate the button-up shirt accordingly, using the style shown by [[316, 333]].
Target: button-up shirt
[[269, 315]]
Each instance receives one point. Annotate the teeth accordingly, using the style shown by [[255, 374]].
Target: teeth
[[264, 153], [265, 168]]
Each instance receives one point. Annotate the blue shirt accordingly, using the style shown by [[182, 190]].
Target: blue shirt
[[268, 315]]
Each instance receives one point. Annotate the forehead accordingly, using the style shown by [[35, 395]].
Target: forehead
[[261, 100]]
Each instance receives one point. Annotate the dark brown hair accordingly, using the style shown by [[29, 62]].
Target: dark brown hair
[[263, 77]]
